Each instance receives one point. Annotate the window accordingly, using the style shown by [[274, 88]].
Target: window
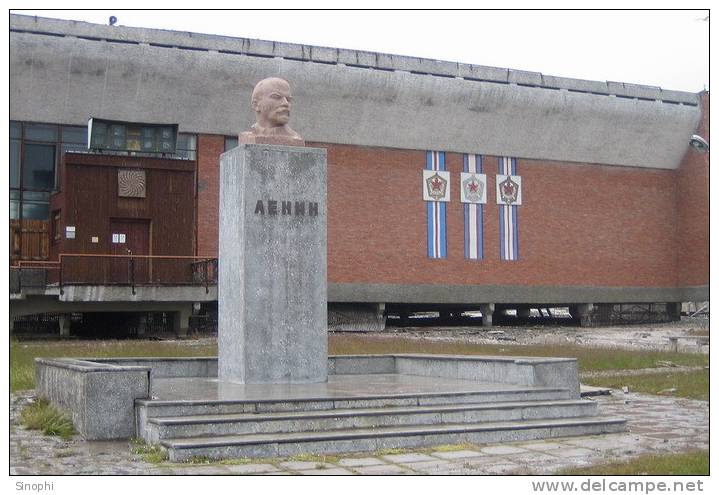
[[35, 150], [35, 205], [186, 146], [39, 166], [15, 163], [14, 205]]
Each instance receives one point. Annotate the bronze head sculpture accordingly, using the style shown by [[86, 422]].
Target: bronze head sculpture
[[272, 102]]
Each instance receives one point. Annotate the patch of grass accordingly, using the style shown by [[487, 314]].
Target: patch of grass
[[590, 358], [393, 451], [154, 454], [699, 332], [688, 463], [453, 448], [241, 461], [690, 384], [23, 354], [332, 459], [43, 416]]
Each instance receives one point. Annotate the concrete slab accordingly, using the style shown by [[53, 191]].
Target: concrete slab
[[327, 472], [361, 462], [458, 454], [336, 387], [382, 470], [303, 465], [251, 468], [407, 458], [502, 450]]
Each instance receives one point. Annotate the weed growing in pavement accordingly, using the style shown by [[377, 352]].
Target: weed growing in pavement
[[154, 454], [43, 416], [686, 463], [688, 384]]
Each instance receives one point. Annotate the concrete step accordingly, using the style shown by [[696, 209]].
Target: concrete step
[[373, 439], [152, 408], [159, 428]]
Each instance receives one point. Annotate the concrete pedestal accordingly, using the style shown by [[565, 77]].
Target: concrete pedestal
[[272, 298]]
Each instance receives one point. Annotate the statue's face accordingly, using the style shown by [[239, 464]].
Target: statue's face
[[273, 104]]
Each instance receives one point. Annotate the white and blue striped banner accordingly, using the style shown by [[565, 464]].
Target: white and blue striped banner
[[436, 213], [508, 224], [473, 215]]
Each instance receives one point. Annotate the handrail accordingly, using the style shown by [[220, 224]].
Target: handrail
[[153, 256], [131, 258], [200, 275]]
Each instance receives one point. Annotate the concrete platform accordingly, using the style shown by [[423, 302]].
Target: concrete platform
[[369, 402], [336, 387]]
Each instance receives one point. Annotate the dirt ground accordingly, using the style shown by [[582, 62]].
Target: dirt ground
[[693, 333]]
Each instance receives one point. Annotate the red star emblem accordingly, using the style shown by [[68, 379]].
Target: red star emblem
[[473, 186], [436, 185]]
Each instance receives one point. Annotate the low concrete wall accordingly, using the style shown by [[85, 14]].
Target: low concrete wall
[[168, 367], [99, 396], [100, 393], [532, 372]]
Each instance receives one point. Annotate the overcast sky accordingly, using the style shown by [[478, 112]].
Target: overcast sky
[[659, 48]]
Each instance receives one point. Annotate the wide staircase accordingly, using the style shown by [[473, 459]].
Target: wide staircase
[[368, 422]]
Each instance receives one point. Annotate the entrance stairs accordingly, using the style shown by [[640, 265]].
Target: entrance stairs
[[325, 424]]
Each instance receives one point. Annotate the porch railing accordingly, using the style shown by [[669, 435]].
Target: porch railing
[[131, 270]]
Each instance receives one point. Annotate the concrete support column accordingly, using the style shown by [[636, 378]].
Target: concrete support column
[[674, 311], [487, 312], [64, 324], [381, 317], [181, 321]]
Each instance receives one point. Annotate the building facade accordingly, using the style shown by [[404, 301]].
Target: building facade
[[544, 191]]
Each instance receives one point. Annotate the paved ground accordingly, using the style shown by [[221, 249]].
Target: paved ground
[[656, 424]]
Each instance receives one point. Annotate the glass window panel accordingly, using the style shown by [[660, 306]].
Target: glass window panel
[[14, 194], [14, 163], [186, 142], [73, 147], [36, 196], [14, 209], [39, 166], [188, 154], [41, 132], [32, 210], [15, 130], [230, 142], [73, 134]]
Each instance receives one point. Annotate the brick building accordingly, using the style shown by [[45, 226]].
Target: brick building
[[613, 206]]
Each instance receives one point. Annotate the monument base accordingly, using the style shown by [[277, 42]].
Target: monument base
[[272, 284]]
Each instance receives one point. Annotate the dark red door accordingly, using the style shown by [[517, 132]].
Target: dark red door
[[130, 237]]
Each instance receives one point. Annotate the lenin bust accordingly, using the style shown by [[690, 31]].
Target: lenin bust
[[271, 101]]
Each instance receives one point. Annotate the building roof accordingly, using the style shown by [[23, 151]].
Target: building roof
[[67, 71]]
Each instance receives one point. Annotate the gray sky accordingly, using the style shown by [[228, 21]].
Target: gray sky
[[658, 48]]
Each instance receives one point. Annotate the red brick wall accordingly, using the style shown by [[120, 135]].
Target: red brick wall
[[579, 224], [209, 149], [693, 211]]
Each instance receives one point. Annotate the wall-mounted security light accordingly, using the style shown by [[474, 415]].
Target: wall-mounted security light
[[699, 144]]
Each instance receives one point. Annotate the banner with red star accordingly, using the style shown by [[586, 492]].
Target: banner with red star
[[473, 193], [436, 192], [509, 196]]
